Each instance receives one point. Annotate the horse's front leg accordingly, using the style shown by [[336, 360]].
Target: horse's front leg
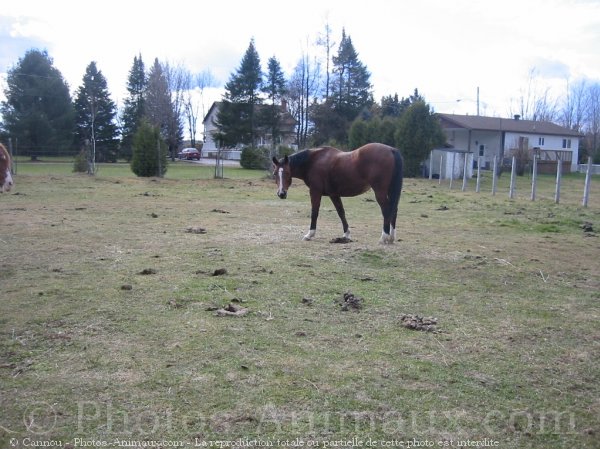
[[339, 207], [315, 201]]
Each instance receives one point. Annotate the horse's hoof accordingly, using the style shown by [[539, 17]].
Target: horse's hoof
[[386, 239], [310, 235]]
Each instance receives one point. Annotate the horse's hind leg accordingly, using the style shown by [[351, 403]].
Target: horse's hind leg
[[339, 207], [387, 234]]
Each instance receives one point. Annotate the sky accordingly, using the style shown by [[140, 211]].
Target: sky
[[449, 50]]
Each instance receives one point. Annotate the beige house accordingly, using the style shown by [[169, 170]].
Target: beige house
[[264, 138]]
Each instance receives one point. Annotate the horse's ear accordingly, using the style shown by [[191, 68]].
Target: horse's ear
[[275, 161], [286, 159]]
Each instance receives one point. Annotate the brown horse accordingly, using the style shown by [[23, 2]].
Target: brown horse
[[336, 174], [6, 180]]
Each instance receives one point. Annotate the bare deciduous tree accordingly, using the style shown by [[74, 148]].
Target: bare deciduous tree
[[592, 127], [325, 40], [574, 106], [535, 103], [302, 89], [179, 81]]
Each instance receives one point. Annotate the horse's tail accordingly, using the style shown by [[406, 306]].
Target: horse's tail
[[395, 187]]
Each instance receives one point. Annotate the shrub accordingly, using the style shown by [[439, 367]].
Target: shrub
[[282, 151], [80, 164], [149, 152], [255, 158]]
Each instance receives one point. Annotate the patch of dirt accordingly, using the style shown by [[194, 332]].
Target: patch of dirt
[[147, 271], [340, 240], [350, 301], [220, 211], [307, 301], [174, 303], [419, 323], [219, 272], [588, 227], [195, 230], [232, 310]]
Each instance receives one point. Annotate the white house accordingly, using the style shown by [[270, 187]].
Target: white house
[[475, 136], [287, 133]]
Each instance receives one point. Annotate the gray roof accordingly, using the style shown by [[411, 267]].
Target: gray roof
[[480, 123]]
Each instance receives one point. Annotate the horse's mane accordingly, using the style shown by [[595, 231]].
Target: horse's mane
[[299, 159]]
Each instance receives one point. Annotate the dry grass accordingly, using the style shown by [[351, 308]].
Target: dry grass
[[91, 348]]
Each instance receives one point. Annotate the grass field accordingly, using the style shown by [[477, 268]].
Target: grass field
[[110, 330]]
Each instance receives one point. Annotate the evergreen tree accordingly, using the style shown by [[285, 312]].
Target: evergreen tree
[[236, 119], [359, 133], [351, 92], [351, 86], [418, 132], [133, 110], [149, 151], [329, 128], [158, 108], [179, 83], [95, 126], [392, 107], [38, 112], [275, 88]]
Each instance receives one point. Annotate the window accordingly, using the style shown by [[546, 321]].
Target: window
[[566, 143], [541, 141], [481, 150]]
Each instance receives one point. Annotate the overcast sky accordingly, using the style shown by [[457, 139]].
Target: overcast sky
[[446, 49]]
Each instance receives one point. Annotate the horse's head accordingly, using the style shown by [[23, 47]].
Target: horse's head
[[6, 180], [7, 183], [283, 176]]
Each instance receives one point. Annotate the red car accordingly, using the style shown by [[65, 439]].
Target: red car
[[189, 154]]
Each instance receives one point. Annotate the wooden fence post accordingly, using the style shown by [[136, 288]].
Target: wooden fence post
[[513, 178], [534, 177], [465, 165], [478, 185], [588, 183], [431, 165], [494, 174], [558, 177], [452, 171]]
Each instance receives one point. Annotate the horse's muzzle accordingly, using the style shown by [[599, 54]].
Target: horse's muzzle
[[282, 195]]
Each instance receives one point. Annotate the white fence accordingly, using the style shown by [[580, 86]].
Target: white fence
[[583, 168], [511, 194]]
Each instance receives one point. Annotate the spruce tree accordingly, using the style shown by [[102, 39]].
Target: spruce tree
[[418, 132], [133, 110], [236, 119], [275, 88], [158, 108], [95, 127], [352, 89], [38, 112], [351, 93]]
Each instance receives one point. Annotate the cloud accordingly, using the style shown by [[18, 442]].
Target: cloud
[[551, 69], [17, 36]]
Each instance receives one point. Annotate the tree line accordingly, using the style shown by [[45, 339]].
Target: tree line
[[330, 99]]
